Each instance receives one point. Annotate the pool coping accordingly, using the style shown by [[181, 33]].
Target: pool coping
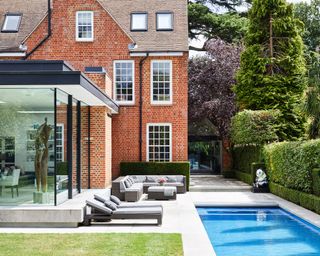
[[304, 214]]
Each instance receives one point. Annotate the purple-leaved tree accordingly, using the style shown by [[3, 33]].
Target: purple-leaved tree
[[211, 78]]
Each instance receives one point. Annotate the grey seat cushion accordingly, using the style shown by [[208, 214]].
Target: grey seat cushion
[[100, 198], [111, 205], [99, 207], [150, 184], [137, 210], [135, 187], [115, 199]]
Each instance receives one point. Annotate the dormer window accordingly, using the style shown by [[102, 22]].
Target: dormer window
[[164, 21], [139, 21], [84, 26], [11, 23]]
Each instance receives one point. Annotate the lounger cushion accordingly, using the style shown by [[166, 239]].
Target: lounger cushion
[[100, 198], [111, 205], [115, 199], [138, 210], [99, 207]]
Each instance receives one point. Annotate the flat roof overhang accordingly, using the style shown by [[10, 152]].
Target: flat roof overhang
[[53, 74]]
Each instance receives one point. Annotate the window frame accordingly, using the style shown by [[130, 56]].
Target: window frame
[[157, 102], [78, 39], [131, 23], [3, 30], [170, 140], [126, 102], [172, 21]]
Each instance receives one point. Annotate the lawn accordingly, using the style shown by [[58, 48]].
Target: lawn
[[108, 244]]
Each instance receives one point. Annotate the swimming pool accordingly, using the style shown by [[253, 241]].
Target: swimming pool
[[259, 231]]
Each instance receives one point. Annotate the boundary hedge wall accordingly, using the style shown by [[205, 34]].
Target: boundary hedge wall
[[290, 164], [308, 201], [244, 156], [156, 168]]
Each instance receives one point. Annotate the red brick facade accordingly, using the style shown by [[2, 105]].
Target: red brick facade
[[110, 44]]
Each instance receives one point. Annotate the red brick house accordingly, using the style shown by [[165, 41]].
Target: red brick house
[[118, 93]]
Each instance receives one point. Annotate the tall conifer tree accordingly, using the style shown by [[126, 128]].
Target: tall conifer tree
[[272, 73]]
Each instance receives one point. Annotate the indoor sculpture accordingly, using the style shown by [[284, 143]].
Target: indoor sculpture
[[42, 155], [261, 179]]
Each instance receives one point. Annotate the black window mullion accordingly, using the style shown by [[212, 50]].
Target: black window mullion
[[69, 145]]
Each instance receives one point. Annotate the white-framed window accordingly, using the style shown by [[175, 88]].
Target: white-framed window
[[60, 143], [159, 142], [11, 22], [164, 21], [161, 82], [123, 76], [139, 21], [84, 26]]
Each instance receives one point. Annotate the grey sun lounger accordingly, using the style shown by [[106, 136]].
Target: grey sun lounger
[[103, 213], [103, 199]]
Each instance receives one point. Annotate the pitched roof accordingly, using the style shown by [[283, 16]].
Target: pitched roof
[[152, 40], [32, 13], [177, 40]]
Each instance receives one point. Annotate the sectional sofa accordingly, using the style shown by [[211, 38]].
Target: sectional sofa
[[130, 188]]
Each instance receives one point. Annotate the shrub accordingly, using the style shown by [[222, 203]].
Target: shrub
[[62, 168], [316, 181], [245, 177], [156, 168], [228, 174], [244, 156], [254, 127], [290, 164], [308, 201]]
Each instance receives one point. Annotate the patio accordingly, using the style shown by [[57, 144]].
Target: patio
[[180, 216]]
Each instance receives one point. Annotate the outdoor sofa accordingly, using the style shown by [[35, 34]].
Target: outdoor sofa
[[109, 210], [130, 188]]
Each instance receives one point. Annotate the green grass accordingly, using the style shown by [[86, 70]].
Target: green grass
[[108, 244]]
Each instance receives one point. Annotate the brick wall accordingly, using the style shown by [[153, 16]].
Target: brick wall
[[111, 43]]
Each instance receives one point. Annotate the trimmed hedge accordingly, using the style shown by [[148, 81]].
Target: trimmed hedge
[[228, 174], [244, 156], [245, 177], [156, 168], [290, 164], [254, 127], [316, 181], [308, 201], [62, 168]]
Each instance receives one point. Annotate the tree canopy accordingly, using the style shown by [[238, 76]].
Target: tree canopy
[[210, 80], [272, 73]]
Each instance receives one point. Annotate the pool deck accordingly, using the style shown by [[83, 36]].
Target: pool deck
[[180, 216]]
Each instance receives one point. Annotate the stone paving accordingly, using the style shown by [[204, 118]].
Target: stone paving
[[207, 183], [180, 216]]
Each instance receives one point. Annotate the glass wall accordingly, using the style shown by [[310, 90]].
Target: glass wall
[[37, 127], [27, 154]]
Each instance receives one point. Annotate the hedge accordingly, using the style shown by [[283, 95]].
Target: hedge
[[254, 127], [156, 168], [308, 201], [316, 181], [244, 156], [245, 177], [290, 164], [62, 168]]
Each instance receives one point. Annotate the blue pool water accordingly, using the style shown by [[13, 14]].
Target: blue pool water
[[259, 232]]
